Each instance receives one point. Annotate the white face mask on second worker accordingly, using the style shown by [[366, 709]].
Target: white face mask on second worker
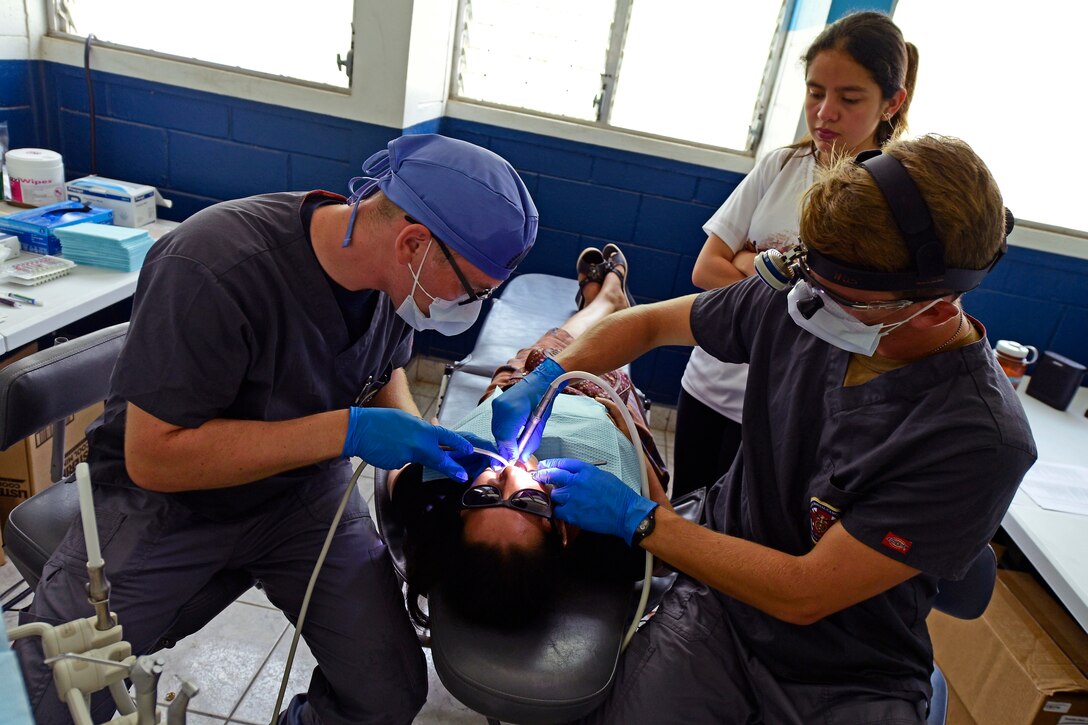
[[447, 317], [834, 325]]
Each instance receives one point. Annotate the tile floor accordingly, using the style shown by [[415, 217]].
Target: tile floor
[[237, 660]]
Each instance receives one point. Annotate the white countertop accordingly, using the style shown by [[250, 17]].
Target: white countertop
[[1055, 542], [82, 291]]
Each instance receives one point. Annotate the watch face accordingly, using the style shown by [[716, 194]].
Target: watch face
[[644, 524]]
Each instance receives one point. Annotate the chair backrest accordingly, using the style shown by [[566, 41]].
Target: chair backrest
[[967, 598], [39, 390], [56, 382], [552, 673]]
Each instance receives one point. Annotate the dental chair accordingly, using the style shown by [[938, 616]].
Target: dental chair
[[563, 668], [40, 391]]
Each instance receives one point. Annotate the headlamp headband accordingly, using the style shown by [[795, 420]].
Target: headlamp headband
[[915, 223]]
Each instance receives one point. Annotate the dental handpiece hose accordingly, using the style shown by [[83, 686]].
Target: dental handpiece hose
[[538, 412], [98, 587], [644, 485]]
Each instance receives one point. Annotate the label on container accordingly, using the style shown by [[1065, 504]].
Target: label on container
[[36, 191]]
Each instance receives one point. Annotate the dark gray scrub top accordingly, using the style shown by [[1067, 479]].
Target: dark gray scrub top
[[234, 318], [919, 463]]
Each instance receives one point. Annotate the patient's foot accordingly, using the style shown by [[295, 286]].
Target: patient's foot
[[610, 292], [591, 270]]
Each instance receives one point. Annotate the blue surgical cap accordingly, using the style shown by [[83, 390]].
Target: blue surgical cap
[[469, 197]]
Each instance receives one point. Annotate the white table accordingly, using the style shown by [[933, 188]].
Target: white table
[[81, 292], [1055, 542]]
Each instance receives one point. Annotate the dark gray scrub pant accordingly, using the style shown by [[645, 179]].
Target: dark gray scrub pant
[[686, 665], [159, 555]]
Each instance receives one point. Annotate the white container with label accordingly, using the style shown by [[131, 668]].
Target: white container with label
[[36, 175]]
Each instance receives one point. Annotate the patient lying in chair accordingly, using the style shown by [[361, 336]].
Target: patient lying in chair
[[494, 542]]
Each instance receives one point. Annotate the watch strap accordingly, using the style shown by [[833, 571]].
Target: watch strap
[[645, 527]]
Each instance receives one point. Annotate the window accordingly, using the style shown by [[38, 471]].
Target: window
[[275, 37], [685, 69], [999, 81]]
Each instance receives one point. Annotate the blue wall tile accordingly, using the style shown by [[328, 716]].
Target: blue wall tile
[[169, 110], [1028, 278], [367, 139], [22, 130], [1071, 337], [224, 170], [15, 83], [1012, 317], [634, 177], [71, 92], [673, 225], [713, 192], [578, 207], [124, 150], [305, 135], [309, 172], [543, 159], [555, 252]]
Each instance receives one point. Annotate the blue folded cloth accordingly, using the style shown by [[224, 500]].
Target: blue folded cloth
[[103, 245]]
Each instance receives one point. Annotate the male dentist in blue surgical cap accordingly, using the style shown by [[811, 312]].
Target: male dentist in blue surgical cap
[[267, 347]]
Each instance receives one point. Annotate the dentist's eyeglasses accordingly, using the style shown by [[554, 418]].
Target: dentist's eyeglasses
[[473, 295], [885, 305], [527, 500]]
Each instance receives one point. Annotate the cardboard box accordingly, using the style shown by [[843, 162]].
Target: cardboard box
[[24, 467], [1005, 667], [133, 205], [957, 712]]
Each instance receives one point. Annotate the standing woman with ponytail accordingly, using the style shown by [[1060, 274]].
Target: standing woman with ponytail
[[859, 75]]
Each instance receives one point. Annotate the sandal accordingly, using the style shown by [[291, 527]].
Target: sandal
[[614, 258], [591, 268]]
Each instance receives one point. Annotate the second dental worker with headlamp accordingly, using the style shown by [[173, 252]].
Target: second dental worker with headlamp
[[885, 447], [267, 343]]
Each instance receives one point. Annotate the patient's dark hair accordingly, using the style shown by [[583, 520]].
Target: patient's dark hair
[[499, 586]]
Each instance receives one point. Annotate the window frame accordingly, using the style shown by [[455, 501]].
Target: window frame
[[611, 72], [54, 22]]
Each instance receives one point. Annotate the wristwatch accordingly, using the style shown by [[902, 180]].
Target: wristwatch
[[644, 528]]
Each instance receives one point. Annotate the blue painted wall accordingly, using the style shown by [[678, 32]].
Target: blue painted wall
[[200, 148]]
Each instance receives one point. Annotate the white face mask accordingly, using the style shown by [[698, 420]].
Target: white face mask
[[835, 326], [447, 316]]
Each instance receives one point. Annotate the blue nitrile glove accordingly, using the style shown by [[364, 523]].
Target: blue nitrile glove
[[475, 463], [389, 438], [511, 410], [593, 499]]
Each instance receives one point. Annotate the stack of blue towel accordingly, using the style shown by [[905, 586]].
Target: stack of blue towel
[[103, 245]]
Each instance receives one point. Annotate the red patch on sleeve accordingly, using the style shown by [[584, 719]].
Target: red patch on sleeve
[[896, 542]]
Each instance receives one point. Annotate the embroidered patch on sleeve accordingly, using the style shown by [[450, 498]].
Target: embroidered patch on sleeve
[[896, 542], [821, 516]]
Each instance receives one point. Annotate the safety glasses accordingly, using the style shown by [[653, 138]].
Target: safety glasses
[[884, 305], [473, 295], [527, 500]]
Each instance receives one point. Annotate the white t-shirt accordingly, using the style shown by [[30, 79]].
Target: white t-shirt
[[765, 208]]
